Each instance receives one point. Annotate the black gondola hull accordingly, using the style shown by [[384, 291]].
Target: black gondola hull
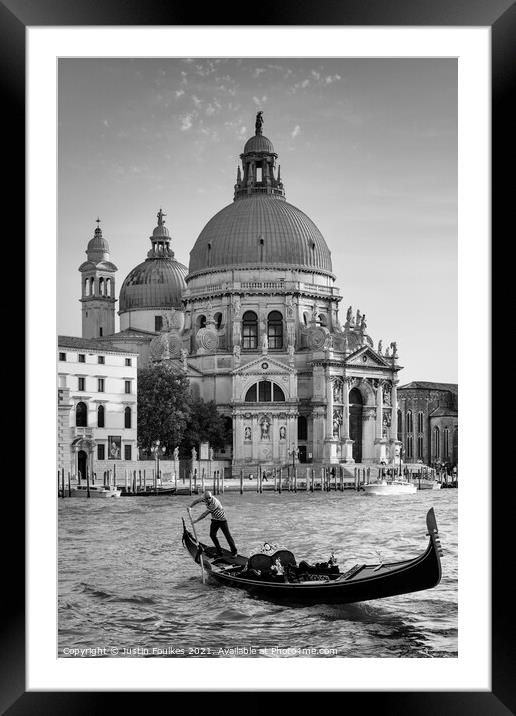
[[368, 582]]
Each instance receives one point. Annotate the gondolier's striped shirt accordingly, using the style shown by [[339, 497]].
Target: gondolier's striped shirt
[[214, 506]]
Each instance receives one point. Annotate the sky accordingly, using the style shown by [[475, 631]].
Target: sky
[[367, 148]]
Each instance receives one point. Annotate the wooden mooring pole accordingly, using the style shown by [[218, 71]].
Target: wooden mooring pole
[[222, 480], [241, 482], [279, 482]]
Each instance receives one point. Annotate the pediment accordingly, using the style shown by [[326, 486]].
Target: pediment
[[367, 357], [264, 365]]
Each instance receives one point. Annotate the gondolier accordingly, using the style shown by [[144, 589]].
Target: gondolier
[[218, 521]]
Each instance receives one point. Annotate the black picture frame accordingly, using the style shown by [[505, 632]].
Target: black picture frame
[[500, 16]]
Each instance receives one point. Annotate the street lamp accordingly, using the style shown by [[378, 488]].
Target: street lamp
[[401, 455], [157, 449]]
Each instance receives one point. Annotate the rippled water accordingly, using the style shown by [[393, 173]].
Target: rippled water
[[127, 583]]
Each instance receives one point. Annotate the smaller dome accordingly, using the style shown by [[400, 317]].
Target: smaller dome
[[161, 231], [259, 143], [98, 243], [155, 283]]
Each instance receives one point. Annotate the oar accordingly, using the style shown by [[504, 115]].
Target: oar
[[200, 548]]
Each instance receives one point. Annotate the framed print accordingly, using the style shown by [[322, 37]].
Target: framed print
[[111, 114]]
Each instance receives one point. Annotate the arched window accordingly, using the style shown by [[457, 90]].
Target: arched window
[[109, 287], [410, 446], [400, 424], [323, 320], [446, 436], [420, 447], [100, 416], [127, 417], [81, 415], [92, 286], [305, 318], [275, 330], [437, 442], [355, 397], [218, 320], [302, 428], [410, 422], [86, 286], [420, 422], [101, 286], [249, 330], [201, 322], [265, 392]]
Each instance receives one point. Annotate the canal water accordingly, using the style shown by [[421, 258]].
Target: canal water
[[127, 583]]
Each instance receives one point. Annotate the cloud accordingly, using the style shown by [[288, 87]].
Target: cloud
[[258, 71], [105, 123], [186, 122], [196, 101], [296, 131], [332, 78], [179, 93], [258, 101]]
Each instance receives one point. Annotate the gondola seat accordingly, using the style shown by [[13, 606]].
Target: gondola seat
[[286, 558], [260, 562]]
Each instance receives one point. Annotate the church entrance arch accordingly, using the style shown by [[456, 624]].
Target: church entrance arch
[[355, 422]]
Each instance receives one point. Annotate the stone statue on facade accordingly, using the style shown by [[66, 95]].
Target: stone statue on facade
[[349, 314], [283, 433], [290, 351], [176, 454], [265, 343], [194, 455], [363, 324], [394, 347], [247, 434], [236, 353], [380, 346], [288, 304], [337, 391], [259, 123], [264, 425], [211, 453], [358, 318]]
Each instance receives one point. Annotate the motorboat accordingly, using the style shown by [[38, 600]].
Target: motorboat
[[395, 486], [103, 491]]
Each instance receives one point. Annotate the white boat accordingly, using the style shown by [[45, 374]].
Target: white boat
[[95, 491], [428, 484], [390, 487]]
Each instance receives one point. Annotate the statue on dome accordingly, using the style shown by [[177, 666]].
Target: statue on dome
[[394, 347], [380, 346], [363, 324], [259, 123], [358, 318], [349, 314], [161, 214]]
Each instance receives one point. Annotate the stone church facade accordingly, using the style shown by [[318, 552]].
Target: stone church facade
[[255, 323]]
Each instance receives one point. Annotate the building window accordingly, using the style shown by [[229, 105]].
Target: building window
[[249, 330], [410, 446], [128, 361], [82, 358], [400, 428], [446, 436], [420, 422], [437, 443], [101, 385], [127, 417], [81, 415], [82, 383], [275, 330], [420, 447], [127, 386], [410, 422], [100, 416], [101, 331], [302, 428], [62, 356], [127, 452], [101, 360], [101, 452], [158, 323], [265, 392]]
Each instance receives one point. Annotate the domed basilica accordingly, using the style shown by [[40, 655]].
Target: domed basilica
[[254, 323]]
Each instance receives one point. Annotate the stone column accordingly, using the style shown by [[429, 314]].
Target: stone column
[[395, 443], [347, 444], [380, 442], [329, 406]]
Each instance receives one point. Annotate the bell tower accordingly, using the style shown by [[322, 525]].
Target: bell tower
[[98, 288]]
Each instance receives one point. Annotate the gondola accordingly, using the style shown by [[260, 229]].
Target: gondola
[[321, 583]]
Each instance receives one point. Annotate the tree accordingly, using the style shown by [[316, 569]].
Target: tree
[[205, 424], [163, 407]]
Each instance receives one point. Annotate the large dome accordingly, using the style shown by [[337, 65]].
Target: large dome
[[155, 283], [258, 143], [257, 230]]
